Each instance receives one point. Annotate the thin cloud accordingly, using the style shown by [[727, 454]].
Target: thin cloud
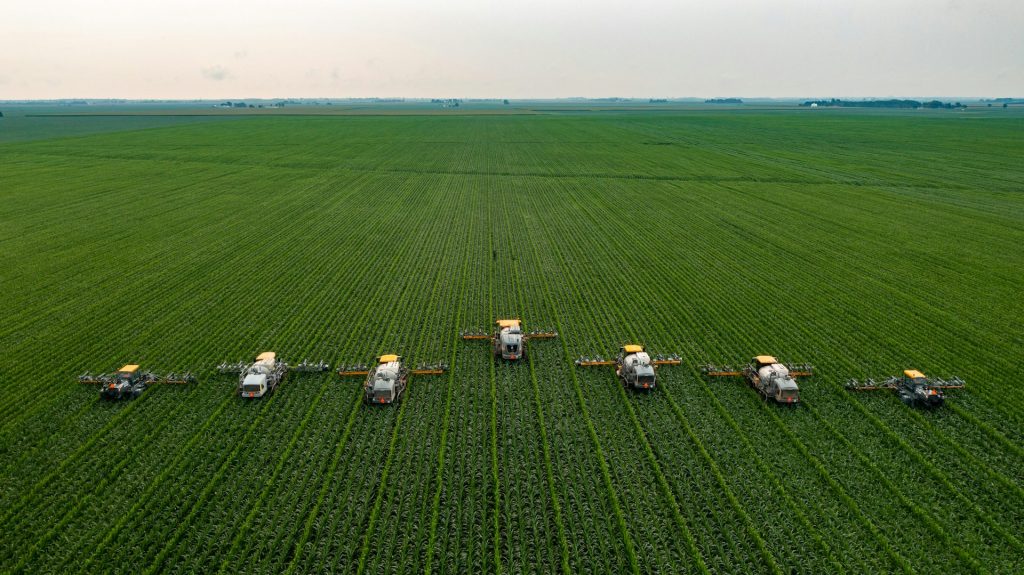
[[514, 49], [216, 73]]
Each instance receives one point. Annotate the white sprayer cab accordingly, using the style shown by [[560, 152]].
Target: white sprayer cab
[[256, 381], [510, 342], [254, 384], [384, 380], [776, 381], [637, 370]]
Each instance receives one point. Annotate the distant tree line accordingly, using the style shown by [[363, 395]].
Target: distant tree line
[[723, 101], [913, 104], [945, 105], [1004, 101]]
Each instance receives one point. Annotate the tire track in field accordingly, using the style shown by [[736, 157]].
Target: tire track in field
[[595, 333], [380, 494], [409, 528], [494, 411], [465, 535], [605, 472], [515, 279], [296, 550], [441, 323], [439, 473], [680, 522], [751, 529]]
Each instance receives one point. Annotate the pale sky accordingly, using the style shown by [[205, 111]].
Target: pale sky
[[184, 49]]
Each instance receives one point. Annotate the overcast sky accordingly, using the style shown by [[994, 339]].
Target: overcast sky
[[510, 49]]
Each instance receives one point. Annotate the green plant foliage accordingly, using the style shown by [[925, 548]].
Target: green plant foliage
[[864, 242]]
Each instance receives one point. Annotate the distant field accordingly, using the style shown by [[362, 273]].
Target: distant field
[[863, 242], [27, 123]]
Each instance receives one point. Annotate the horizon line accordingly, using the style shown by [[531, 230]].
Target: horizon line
[[399, 99]]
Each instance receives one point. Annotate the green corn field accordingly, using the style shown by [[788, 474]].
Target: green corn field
[[864, 243]]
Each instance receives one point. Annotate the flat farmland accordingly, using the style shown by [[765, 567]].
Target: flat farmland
[[863, 243]]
